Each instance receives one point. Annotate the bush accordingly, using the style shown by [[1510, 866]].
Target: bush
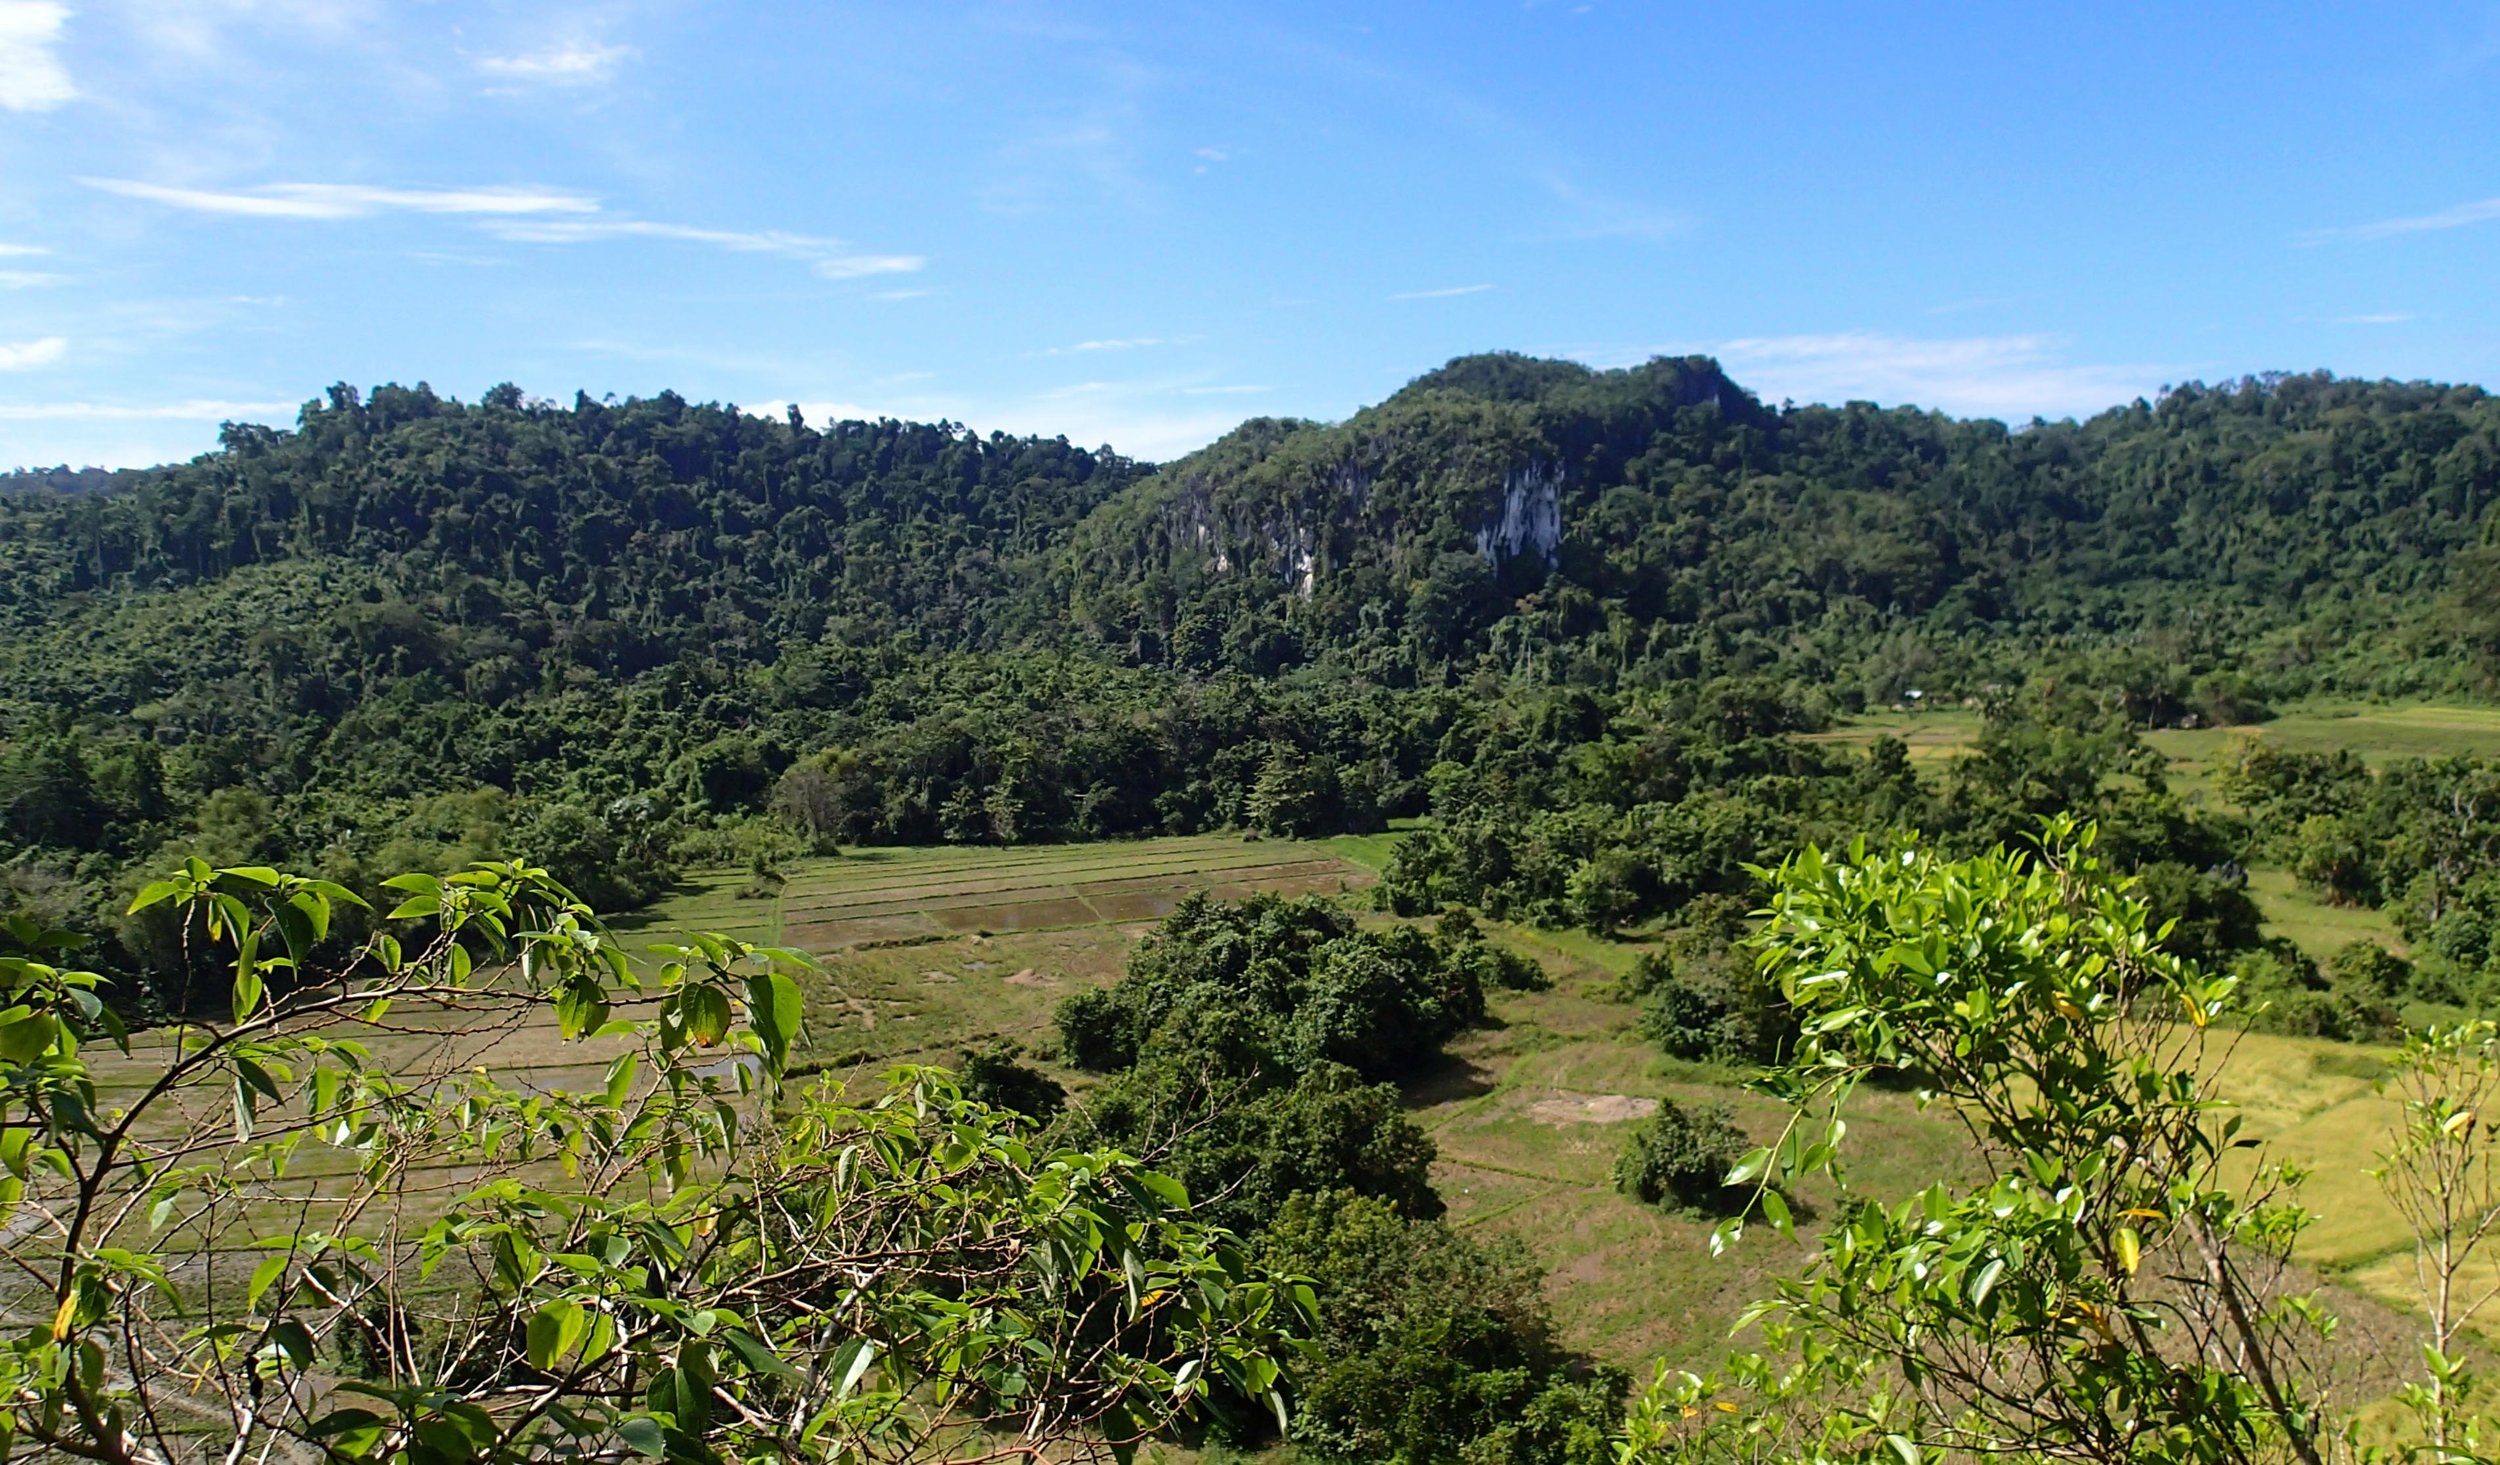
[[1702, 997], [993, 1076], [1680, 1159], [1092, 1034], [1433, 1345], [2331, 859], [1313, 986]]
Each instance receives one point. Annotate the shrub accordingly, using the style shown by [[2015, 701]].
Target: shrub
[[1680, 1159], [993, 1076]]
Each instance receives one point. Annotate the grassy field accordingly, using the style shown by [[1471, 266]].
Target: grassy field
[[2378, 733], [933, 950]]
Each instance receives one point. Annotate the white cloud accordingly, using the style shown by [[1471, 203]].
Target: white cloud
[[32, 78], [1442, 294], [1127, 343], [2377, 318], [351, 201], [27, 279], [1140, 418], [1222, 391], [204, 30], [2011, 377], [32, 353], [21, 251], [196, 410], [2478, 212], [901, 294], [827, 257], [570, 64], [858, 266], [818, 414]]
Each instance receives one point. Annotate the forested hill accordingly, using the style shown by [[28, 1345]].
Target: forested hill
[[1660, 522], [412, 629]]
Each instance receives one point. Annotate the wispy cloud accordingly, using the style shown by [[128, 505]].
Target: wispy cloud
[[901, 294], [1144, 419], [32, 78], [21, 251], [1118, 343], [829, 258], [572, 63], [2013, 377], [24, 354], [27, 279], [1441, 294], [1960, 307], [1231, 391], [2481, 211], [2376, 318], [1593, 214], [196, 410], [350, 200], [522, 215]]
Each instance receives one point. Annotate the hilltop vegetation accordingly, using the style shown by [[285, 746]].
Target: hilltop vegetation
[[628, 636]]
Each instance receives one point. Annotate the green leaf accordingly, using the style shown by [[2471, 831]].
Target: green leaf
[[773, 1006], [156, 892], [25, 1039], [1986, 1282], [706, 1015], [621, 1079], [263, 1277], [850, 1363], [552, 1333], [247, 986], [581, 1007], [1903, 1448], [643, 1436]]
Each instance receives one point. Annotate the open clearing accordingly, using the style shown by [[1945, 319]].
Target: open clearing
[[887, 895], [934, 950], [2379, 734]]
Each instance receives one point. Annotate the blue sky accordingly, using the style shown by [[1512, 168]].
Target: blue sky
[[1142, 223]]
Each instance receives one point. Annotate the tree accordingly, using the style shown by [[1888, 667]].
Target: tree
[[809, 799], [2441, 1171], [1434, 1346], [1681, 1157], [686, 1261], [2109, 1290]]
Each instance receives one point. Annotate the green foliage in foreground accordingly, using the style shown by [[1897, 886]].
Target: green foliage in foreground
[[687, 1262], [2114, 1289]]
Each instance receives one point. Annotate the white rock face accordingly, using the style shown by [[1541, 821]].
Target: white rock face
[[1531, 518]]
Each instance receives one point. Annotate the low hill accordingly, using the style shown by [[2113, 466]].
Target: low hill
[[618, 635]]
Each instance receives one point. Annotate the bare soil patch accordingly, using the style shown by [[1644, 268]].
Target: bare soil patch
[[1592, 1108]]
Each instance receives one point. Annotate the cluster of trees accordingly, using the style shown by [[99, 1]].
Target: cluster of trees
[[2417, 838], [1254, 1049], [1577, 809]]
